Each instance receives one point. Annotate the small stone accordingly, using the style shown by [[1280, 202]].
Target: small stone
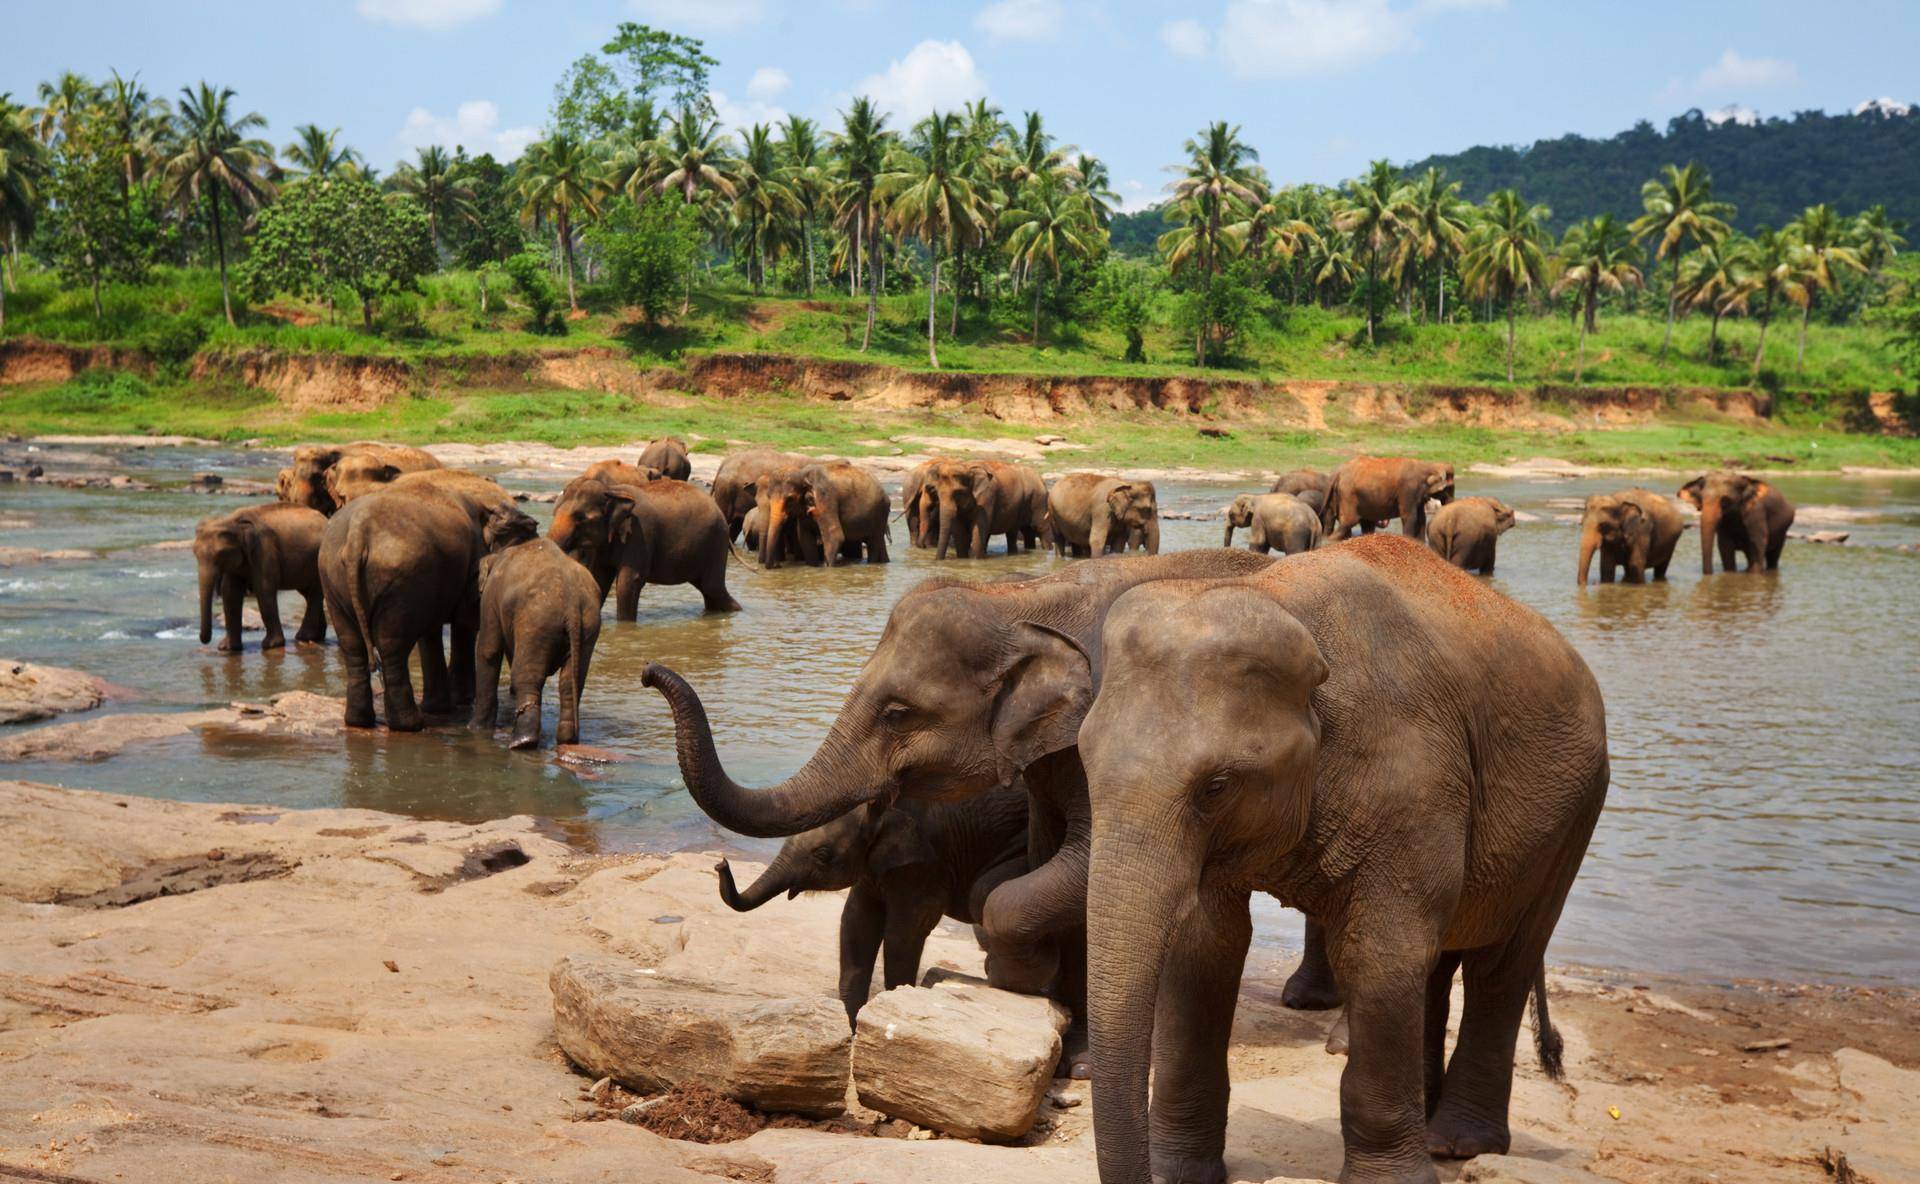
[[1062, 1101], [599, 1090], [1768, 1045], [392, 966]]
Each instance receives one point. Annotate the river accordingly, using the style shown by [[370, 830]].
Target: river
[[1764, 819]]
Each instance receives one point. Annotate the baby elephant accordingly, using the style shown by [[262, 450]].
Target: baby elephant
[[540, 611], [263, 550], [1274, 520], [1466, 532], [907, 866]]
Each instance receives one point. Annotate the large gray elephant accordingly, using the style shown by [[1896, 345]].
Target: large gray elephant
[[1635, 529], [976, 500], [735, 485], [540, 612], [1466, 533], [260, 550], [629, 536], [1309, 485], [1340, 731], [1375, 489], [1743, 515], [905, 867], [919, 507], [833, 508], [669, 456], [619, 472], [971, 686], [304, 483], [1091, 515], [353, 478], [1273, 521]]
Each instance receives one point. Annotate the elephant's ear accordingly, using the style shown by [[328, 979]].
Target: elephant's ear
[[897, 843], [620, 520], [980, 478], [1117, 497], [1044, 692], [1693, 492]]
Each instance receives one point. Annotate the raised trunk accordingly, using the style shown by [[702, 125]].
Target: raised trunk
[[833, 781], [772, 882]]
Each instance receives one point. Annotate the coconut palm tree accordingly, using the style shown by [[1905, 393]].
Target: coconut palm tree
[[761, 200], [933, 200], [1436, 228], [1504, 256], [633, 162], [139, 123], [1221, 171], [433, 180], [23, 163], [1376, 211], [62, 102], [694, 157], [1097, 183], [861, 149], [317, 153], [1032, 152], [1269, 228], [1050, 221], [1716, 277], [1680, 209], [562, 178], [1777, 269], [806, 177], [1595, 256], [214, 157], [1877, 237], [1824, 237]]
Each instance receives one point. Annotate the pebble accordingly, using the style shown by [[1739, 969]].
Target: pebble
[[1769, 1045]]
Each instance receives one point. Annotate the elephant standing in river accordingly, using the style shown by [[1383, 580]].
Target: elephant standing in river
[[1742, 514], [838, 504], [1634, 529], [1309, 485], [1091, 515], [540, 612], [1273, 520], [619, 472], [629, 536], [1466, 532], [260, 549], [1411, 758], [668, 456], [976, 500], [906, 866], [1372, 489], [919, 507], [304, 483], [735, 485]]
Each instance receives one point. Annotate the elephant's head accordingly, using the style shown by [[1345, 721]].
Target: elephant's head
[[1502, 515], [1239, 514], [307, 481], [1722, 496], [832, 857], [1614, 522], [284, 486], [786, 500], [1439, 481], [961, 491], [820, 501], [590, 521], [1135, 508], [1201, 752], [356, 476], [223, 548], [507, 526]]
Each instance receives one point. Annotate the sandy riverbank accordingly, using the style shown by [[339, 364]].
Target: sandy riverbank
[[347, 995]]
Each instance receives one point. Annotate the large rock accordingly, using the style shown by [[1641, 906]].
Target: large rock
[[29, 692], [651, 1033], [964, 1059]]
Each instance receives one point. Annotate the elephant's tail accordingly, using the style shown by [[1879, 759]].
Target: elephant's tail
[[735, 551], [1546, 1038], [570, 671], [357, 597]]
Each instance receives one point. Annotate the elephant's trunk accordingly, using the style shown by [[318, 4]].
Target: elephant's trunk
[[770, 533], [949, 515], [1228, 541], [771, 883], [1709, 532], [1153, 534], [1589, 543], [209, 576], [833, 781]]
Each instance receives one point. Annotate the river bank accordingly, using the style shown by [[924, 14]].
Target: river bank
[[353, 995]]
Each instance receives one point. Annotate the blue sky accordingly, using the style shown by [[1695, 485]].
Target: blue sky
[[1321, 86]]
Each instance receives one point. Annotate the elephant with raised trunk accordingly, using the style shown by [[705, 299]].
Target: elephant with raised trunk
[[304, 483], [1091, 515], [970, 687], [629, 536], [1375, 489], [1743, 515], [976, 500], [904, 867], [1634, 529], [1273, 521], [832, 508], [668, 456], [736, 484], [260, 550], [1309, 485], [1466, 533], [1380, 740], [540, 612]]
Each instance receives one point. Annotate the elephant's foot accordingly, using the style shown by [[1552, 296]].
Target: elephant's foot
[[230, 645], [1076, 1056], [1199, 1169], [277, 641], [360, 715], [1452, 1133], [566, 733], [526, 729], [406, 723], [1311, 988], [1371, 1172], [437, 704]]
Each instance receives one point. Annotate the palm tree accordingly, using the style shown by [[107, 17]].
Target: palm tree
[[1221, 170], [1595, 256], [806, 176], [1436, 226], [1376, 211], [61, 103], [1330, 265], [22, 168], [213, 156], [1032, 152], [1097, 183], [633, 164], [1823, 236], [1504, 257], [1716, 277], [932, 200], [1877, 237], [139, 123], [1680, 210], [861, 148], [561, 176], [434, 181], [1777, 267], [761, 199], [1050, 221], [317, 153]]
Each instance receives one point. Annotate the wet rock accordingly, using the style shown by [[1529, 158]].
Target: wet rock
[[206, 480], [22, 556], [1821, 536], [1518, 1169], [965, 1060], [29, 692], [652, 1033], [294, 713]]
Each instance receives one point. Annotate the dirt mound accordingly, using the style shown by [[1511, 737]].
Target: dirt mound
[[305, 382], [696, 1114], [28, 359]]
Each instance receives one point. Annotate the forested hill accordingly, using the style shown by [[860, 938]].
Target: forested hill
[[1771, 170]]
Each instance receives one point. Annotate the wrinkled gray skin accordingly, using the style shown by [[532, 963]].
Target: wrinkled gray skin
[[1371, 490], [1375, 738], [1273, 521], [1466, 532], [971, 686], [1634, 529], [397, 566], [1309, 485], [540, 612], [905, 867], [918, 507], [1743, 515], [668, 455], [831, 508], [629, 536], [1091, 515], [734, 484], [260, 550], [976, 500]]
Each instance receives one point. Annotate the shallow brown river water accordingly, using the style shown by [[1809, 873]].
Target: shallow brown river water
[[1765, 813]]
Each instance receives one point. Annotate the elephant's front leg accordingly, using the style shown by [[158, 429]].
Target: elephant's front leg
[[911, 915], [626, 594], [1728, 552], [268, 598], [1193, 1019], [488, 652], [436, 696], [313, 619], [1312, 986], [1385, 960], [863, 922], [233, 603]]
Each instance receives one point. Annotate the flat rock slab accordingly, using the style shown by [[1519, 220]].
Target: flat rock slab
[[650, 1033], [29, 692], [965, 1060], [291, 713]]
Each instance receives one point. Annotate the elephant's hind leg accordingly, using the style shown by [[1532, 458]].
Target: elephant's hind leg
[[436, 687], [1311, 987], [712, 586], [403, 714], [313, 621]]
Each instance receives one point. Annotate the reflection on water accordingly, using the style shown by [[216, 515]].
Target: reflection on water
[[1765, 730]]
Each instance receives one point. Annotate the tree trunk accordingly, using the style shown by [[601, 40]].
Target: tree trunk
[[1800, 356], [566, 252], [1760, 353], [1440, 292], [1713, 336], [1373, 263], [98, 312], [933, 294], [1509, 339], [806, 228], [1580, 363], [220, 249], [959, 277], [1672, 291], [861, 221], [854, 248], [1036, 314]]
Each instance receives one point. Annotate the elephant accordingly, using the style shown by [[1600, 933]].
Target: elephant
[[306, 483], [396, 565], [540, 611], [906, 866], [1743, 514], [735, 484], [1274, 520], [979, 499], [1091, 514], [839, 504], [1309, 485], [1369, 734], [1372, 489], [619, 472], [260, 549], [629, 536], [753, 528], [353, 478], [971, 686], [1466, 532], [918, 507], [668, 454], [1635, 528]]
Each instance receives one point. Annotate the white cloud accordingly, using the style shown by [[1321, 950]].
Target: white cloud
[[768, 83], [427, 14], [1734, 72], [1022, 20], [1738, 113], [744, 113], [1291, 38], [704, 16], [1186, 38], [474, 125], [934, 76]]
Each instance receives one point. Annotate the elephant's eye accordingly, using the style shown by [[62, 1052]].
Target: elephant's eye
[[895, 713], [1213, 789]]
